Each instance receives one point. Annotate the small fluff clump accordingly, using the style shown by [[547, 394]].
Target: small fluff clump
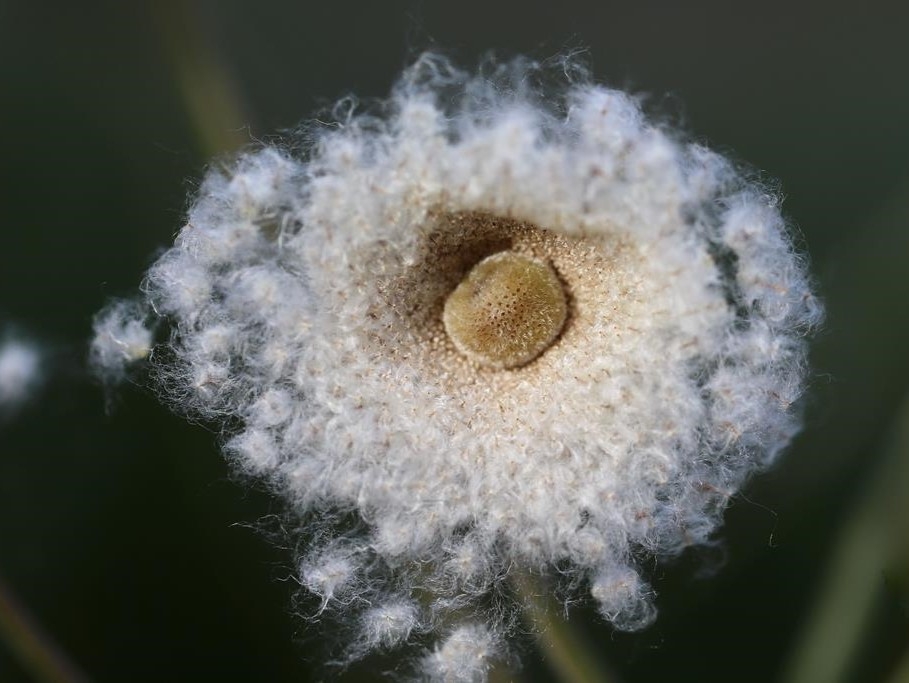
[[121, 337], [20, 372], [305, 299]]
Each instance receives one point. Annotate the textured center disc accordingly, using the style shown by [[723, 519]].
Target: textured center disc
[[507, 311]]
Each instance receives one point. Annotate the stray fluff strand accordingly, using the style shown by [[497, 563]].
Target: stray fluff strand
[[628, 345]]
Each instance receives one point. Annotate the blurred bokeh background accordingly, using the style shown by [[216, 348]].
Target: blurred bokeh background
[[123, 538]]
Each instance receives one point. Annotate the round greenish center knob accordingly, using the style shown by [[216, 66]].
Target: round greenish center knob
[[507, 311]]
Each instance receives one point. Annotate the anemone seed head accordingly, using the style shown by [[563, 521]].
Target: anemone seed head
[[636, 350]]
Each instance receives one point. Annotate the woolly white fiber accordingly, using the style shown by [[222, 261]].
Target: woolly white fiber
[[464, 655], [305, 299]]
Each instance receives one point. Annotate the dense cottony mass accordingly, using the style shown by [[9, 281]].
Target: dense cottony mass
[[306, 303]]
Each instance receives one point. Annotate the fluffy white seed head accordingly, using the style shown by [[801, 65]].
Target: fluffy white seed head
[[307, 301]]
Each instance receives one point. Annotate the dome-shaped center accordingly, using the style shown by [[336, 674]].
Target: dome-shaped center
[[507, 311]]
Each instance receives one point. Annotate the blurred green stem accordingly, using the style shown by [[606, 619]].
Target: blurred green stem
[[902, 672], [565, 649], [34, 649], [212, 101], [871, 542]]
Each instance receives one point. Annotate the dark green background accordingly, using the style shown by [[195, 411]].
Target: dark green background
[[121, 529]]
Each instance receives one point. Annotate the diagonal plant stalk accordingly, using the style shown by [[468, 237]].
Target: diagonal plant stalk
[[902, 672], [871, 543], [214, 107], [565, 649], [31, 645]]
